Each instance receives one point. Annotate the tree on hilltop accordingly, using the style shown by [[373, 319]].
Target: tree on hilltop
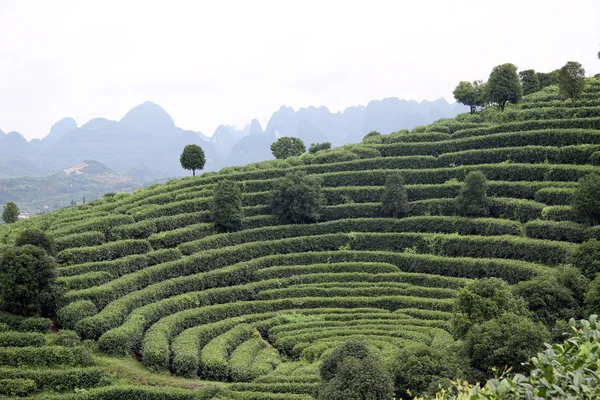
[[470, 94], [227, 206], [297, 198], [10, 213], [503, 86], [571, 80], [394, 201], [192, 158], [287, 146], [529, 81], [472, 198]]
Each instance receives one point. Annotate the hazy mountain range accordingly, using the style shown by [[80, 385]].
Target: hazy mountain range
[[145, 144]]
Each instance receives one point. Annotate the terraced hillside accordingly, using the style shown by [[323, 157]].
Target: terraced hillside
[[146, 274]]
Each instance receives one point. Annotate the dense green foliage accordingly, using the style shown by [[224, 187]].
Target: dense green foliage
[[503, 85], [10, 213], [351, 372], [297, 198], [586, 199], [472, 198], [571, 80], [394, 200], [27, 281], [36, 237], [315, 147], [227, 206], [287, 146], [470, 94]]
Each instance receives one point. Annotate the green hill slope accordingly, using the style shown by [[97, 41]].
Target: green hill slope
[[146, 274]]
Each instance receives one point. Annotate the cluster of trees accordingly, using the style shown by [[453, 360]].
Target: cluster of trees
[[505, 85], [28, 276]]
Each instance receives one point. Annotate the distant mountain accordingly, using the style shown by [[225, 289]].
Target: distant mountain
[[145, 144], [88, 179]]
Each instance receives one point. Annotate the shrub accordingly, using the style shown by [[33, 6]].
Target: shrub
[[60, 379], [67, 338], [586, 201], [422, 369], [394, 200], [505, 341], [314, 147], [36, 237], [482, 301], [137, 230], [551, 230], [74, 312], [472, 198], [297, 198], [587, 258], [82, 239], [227, 206], [17, 387], [22, 339], [105, 252], [355, 377]]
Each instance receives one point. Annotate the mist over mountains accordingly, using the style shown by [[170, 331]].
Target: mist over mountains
[[145, 144]]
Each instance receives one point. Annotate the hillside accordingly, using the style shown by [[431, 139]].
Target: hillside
[[88, 179], [147, 277], [145, 144]]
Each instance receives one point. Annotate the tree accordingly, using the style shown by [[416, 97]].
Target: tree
[[314, 147], [472, 198], [503, 86], [287, 146], [506, 341], [470, 94], [529, 81], [27, 281], [586, 258], [422, 369], [592, 297], [192, 158], [586, 201], [547, 78], [571, 80], [10, 213], [227, 206], [353, 373], [394, 201], [548, 300], [36, 237], [482, 300], [296, 198]]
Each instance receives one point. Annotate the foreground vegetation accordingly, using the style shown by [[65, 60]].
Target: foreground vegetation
[[405, 264]]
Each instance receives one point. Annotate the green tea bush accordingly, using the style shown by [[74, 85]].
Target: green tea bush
[[137, 230], [22, 339], [17, 387], [106, 252], [82, 239]]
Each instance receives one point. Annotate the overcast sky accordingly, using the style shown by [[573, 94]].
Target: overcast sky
[[226, 62]]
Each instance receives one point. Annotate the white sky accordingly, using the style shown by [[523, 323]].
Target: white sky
[[226, 62]]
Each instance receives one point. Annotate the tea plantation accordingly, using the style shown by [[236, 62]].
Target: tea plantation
[[147, 277]]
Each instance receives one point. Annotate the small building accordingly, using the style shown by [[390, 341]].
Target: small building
[[23, 215]]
